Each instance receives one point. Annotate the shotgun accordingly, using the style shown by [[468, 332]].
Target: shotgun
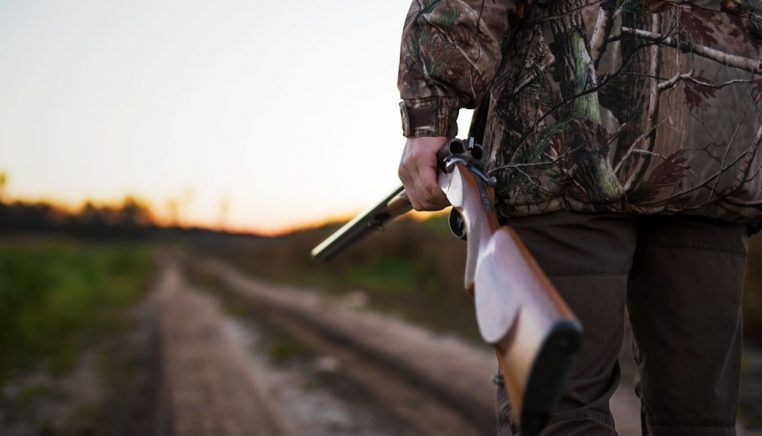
[[535, 335]]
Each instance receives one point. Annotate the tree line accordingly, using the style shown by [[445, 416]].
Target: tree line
[[130, 218]]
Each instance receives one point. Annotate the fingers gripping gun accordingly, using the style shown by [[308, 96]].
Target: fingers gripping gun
[[535, 335]]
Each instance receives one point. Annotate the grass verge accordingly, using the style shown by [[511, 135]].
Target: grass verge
[[55, 296]]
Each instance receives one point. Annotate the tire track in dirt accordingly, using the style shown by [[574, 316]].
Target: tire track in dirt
[[437, 384], [452, 371], [444, 383], [208, 386]]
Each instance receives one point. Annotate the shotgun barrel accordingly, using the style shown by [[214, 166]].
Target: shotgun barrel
[[374, 218], [391, 207]]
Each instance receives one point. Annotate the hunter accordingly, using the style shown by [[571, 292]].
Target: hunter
[[625, 138]]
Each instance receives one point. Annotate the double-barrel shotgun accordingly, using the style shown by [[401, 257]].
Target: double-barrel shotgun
[[535, 335]]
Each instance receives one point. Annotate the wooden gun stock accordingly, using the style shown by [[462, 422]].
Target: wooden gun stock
[[535, 335]]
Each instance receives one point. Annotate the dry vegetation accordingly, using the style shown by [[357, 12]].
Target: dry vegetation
[[413, 268]]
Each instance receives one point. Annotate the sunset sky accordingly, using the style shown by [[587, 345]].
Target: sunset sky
[[286, 112]]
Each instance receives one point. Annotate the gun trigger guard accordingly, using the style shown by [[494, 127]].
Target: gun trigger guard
[[457, 225]]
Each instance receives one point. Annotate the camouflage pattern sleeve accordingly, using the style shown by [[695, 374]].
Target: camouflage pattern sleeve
[[451, 50]]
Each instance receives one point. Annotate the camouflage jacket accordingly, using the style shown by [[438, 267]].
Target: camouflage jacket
[[625, 106]]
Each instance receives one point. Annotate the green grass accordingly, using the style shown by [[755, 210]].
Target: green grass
[[395, 274], [56, 296]]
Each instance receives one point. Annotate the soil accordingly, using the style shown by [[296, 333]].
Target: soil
[[211, 351]]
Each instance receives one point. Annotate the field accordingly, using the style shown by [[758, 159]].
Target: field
[[57, 296], [413, 269]]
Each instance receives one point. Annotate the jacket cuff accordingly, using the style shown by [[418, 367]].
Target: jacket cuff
[[434, 116]]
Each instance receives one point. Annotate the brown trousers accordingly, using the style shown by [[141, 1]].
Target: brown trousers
[[681, 281]]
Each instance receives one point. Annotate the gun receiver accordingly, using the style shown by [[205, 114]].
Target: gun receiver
[[535, 335]]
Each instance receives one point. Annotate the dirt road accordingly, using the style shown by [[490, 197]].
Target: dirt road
[[375, 374], [426, 383], [209, 387], [212, 351]]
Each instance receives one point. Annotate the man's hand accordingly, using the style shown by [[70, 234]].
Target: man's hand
[[418, 172]]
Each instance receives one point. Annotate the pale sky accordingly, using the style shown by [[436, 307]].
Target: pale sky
[[286, 110]]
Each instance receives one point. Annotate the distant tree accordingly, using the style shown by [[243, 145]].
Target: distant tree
[[176, 207], [133, 213], [3, 182], [20, 216], [130, 218], [222, 213], [173, 207]]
